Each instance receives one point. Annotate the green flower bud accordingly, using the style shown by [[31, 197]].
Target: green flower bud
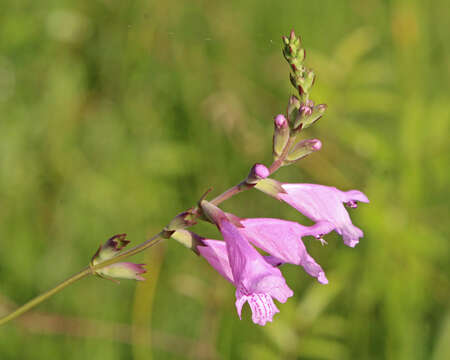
[[181, 221], [123, 270], [302, 149], [110, 248], [316, 114], [303, 112], [308, 80], [293, 106], [280, 135]]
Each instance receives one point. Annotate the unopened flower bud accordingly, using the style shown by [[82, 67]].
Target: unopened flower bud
[[280, 121], [292, 35], [110, 248], [301, 55], [303, 113], [308, 80], [316, 114], [302, 149], [181, 221], [280, 135], [257, 173], [305, 110], [293, 106], [123, 270]]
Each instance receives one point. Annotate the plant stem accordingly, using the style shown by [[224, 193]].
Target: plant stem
[[277, 163], [37, 300], [229, 193]]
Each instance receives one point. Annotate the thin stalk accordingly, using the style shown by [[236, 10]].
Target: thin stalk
[[229, 193], [37, 300], [277, 163]]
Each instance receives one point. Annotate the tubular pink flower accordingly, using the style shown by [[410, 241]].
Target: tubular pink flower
[[255, 279], [283, 241], [324, 203]]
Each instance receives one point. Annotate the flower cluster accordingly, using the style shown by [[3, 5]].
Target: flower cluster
[[257, 278]]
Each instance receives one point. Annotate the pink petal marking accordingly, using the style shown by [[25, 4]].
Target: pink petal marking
[[262, 306]]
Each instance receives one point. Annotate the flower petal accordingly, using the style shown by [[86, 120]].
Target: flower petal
[[215, 252], [251, 272], [262, 306], [323, 203], [255, 279], [283, 241]]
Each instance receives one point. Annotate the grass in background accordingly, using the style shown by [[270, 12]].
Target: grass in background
[[115, 116]]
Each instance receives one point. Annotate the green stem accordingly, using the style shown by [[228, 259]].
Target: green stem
[[37, 300], [277, 163], [229, 193]]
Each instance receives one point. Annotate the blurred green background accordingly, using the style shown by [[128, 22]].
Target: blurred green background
[[117, 115]]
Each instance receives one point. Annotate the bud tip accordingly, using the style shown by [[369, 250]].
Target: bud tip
[[260, 171], [316, 144], [280, 121]]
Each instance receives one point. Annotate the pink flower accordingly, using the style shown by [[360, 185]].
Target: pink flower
[[283, 241], [324, 203], [257, 282]]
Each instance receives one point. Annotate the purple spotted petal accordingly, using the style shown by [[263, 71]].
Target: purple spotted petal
[[323, 203]]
